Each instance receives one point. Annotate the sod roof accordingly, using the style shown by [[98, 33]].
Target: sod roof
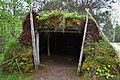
[[60, 18], [58, 21]]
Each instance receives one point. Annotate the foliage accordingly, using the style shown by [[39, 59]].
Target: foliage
[[25, 61], [1, 58], [9, 44], [56, 4], [60, 18], [10, 26], [107, 26], [15, 76], [117, 32], [103, 70], [56, 13], [100, 60], [115, 77], [11, 12]]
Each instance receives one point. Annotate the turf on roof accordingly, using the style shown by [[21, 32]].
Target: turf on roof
[[57, 18], [57, 21]]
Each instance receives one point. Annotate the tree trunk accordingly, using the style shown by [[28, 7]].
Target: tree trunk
[[76, 6]]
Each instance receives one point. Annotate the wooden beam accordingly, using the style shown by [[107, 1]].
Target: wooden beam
[[81, 52], [33, 42], [63, 25], [65, 28], [52, 31]]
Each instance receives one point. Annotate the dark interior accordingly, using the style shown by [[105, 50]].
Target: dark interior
[[61, 43], [65, 43], [64, 48]]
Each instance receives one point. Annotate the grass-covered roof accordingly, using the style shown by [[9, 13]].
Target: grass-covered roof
[[58, 21], [64, 14], [60, 18]]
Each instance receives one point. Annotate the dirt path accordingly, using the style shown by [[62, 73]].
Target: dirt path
[[57, 68]]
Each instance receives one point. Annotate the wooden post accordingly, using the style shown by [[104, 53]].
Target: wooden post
[[55, 43], [37, 47], [81, 53], [33, 42], [64, 25], [48, 44]]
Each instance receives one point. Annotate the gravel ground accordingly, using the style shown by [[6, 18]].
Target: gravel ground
[[57, 68]]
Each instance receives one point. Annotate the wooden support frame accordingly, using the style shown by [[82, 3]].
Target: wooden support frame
[[37, 48], [34, 44], [81, 52]]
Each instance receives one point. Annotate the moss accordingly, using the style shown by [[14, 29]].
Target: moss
[[57, 14], [88, 64], [1, 58], [100, 57], [56, 18], [116, 77], [25, 60]]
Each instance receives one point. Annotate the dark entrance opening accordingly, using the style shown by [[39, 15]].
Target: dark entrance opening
[[65, 43], [64, 47]]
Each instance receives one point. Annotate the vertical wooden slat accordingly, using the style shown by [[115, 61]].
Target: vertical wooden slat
[[48, 44], [64, 25], [55, 42], [81, 52]]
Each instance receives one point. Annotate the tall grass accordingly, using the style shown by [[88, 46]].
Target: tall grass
[[1, 58], [15, 76]]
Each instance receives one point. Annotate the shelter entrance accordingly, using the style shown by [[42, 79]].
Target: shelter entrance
[[65, 43], [61, 46]]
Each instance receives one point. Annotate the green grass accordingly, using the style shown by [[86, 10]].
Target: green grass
[[116, 77], [14, 75], [57, 14], [1, 58]]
